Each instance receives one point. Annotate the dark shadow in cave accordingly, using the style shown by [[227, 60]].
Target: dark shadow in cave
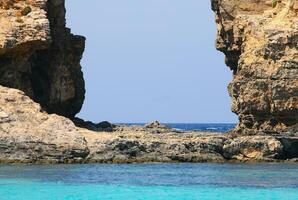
[[39, 81]]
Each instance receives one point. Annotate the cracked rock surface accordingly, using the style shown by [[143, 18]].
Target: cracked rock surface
[[261, 47], [40, 56]]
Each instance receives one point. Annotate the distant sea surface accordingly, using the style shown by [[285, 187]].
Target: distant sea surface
[[212, 127], [149, 182]]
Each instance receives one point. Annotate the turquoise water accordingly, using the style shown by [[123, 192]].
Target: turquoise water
[[149, 182]]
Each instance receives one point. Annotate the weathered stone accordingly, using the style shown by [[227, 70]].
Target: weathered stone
[[104, 126], [261, 47], [252, 148], [139, 144], [30, 135], [27, 134], [40, 56]]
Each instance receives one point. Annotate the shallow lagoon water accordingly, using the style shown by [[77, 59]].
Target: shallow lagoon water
[[149, 181]]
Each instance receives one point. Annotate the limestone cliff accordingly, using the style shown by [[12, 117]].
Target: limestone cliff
[[40, 56], [260, 41]]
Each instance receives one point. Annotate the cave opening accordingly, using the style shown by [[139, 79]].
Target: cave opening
[[39, 84], [39, 78]]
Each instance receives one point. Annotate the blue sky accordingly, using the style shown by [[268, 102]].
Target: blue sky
[[151, 60]]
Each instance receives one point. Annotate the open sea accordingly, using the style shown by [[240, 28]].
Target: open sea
[[211, 127], [151, 181]]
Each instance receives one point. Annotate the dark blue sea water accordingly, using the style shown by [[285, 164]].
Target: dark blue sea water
[[219, 127], [150, 182], [212, 127]]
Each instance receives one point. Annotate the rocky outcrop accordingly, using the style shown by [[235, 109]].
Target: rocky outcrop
[[138, 144], [30, 135], [40, 56], [260, 41]]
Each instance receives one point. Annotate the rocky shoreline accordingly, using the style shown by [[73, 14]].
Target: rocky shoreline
[[30, 135], [40, 58]]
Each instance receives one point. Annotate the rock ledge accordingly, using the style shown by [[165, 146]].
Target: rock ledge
[[30, 135]]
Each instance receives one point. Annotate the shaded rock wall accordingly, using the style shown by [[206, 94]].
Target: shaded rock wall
[[40, 56], [260, 41]]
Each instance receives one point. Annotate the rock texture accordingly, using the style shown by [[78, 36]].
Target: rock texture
[[260, 41], [40, 56], [138, 144], [27, 134], [30, 135]]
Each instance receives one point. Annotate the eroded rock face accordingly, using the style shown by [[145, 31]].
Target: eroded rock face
[[256, 147], [260, 41], [29, 135], [40, 56]]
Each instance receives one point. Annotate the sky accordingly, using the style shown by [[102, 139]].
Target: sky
[[149, 60]]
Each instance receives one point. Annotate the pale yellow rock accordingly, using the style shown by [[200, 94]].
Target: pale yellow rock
[[261, 47], [29, 135], [16, 30]]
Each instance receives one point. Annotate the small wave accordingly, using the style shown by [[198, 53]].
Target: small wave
[[212, 128], [179, 129]]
